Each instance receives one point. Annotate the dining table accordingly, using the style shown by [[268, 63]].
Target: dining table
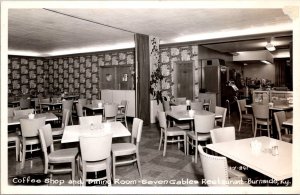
[[16, 120], [96, 107], [72, 133], [258, 154], [186, 114]]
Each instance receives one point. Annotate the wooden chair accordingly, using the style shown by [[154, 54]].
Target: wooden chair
[[220, 111], [196, 105], [226, 134], [181, 124], [172, 132], [79, 110], [244, 115], [122, 113], [110, 112], [215, 169], [29, 128], [25, 103], [58, 132], [56, 157], [280, 117], [203, 125], [88, 121], [124, 149], [96, 159], [261, 117]]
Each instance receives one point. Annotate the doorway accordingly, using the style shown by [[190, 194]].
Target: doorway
[[184, 79]]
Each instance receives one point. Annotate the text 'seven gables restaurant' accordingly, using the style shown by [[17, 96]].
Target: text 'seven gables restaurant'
[[109, 97]]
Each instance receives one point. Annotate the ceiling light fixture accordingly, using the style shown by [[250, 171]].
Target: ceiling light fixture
[[270, 47]]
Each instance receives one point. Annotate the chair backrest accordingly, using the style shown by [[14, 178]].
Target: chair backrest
[[26, 112], [162, 120], [197, 105], [222, 134], [241, 106], [65, 118], [125, 104], [29, 127], [46, 139], [25, 103], [95, 148], [280, 117], [178, 108], [180, 100], [166, 105], [79, 109], [215, 168], [137, 127], [67, 104], [222, 111], [82, 101], [10, 111], [88, 120], [204, 123], [110, 110], [260, 111]]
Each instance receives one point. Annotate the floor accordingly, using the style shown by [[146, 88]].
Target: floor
[[175, 169]]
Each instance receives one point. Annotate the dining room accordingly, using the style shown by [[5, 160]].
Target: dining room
[[114, 97]]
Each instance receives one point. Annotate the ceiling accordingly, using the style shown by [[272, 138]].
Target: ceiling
[[43, 32]]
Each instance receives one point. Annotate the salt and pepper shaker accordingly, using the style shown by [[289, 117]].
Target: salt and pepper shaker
[[275, 150]]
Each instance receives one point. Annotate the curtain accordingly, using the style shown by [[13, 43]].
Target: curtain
[[142, 61]]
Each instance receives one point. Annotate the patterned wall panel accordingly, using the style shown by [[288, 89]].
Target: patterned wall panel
[[168, 58], [25, 75]]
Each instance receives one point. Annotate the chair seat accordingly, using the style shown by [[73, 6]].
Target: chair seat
[[287, 137], [32, 141], [94, 166], [263, 122], [63, 155], [174, 131], [183, 126], [121, 149], [247, 116], [13, 137], [57, 131], [200, 136]]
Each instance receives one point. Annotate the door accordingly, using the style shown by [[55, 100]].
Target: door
[[124, 78], [185, 78], [108, 78]]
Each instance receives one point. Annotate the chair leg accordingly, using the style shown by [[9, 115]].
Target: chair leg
[[187, 145], [160, 141], [108, 176], [165, 145], [125, 119], [184, 137], [268, 128], [240, 124], [24, 154], [17, 143], [139, 164], [73, 165], [114, 167], [178, 143], [255, 128], [196, 154]]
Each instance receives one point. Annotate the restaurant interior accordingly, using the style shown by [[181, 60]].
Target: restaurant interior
[[149, 97]]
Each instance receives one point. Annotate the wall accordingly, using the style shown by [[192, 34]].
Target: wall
[[25, 75], [259, 71], [73, 74], [168, 58]]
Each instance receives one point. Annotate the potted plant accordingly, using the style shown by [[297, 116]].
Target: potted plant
[[155, 85]]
